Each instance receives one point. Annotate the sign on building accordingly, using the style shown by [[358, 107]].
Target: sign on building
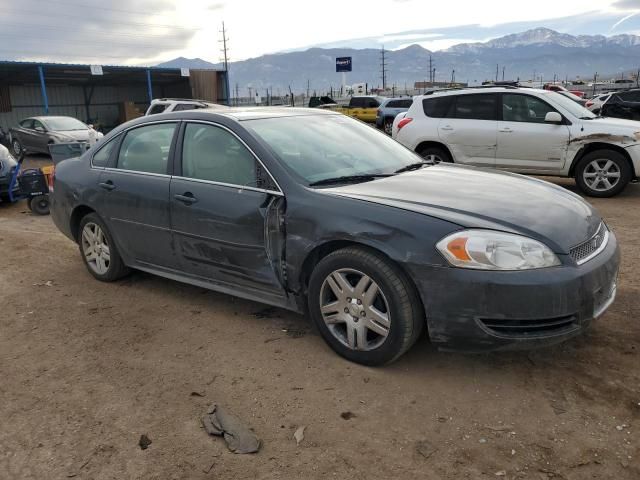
[[343, 64], [96, 70], [184, 72]]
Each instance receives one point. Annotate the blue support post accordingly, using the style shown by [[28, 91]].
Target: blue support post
[[43, 87], [149, 87]]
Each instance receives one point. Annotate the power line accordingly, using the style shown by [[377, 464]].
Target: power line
[[29, 14], [94, 7], [92, 44]]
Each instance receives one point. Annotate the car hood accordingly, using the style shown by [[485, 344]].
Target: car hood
[[75, 135], [478, 198], [616, 130]]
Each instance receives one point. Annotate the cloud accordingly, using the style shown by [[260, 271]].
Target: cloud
[[114, 32], [627, 4]]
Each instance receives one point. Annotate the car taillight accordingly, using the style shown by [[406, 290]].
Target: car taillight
[[403, 122], [588, 104]]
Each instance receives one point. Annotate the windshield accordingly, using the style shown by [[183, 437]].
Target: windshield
[[59, 124], [570, 106], [321, 147]]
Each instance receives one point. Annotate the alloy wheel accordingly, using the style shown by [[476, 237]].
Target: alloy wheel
[[17, 148], [355, 309], [96, 248], [601, 175], [432, 159]]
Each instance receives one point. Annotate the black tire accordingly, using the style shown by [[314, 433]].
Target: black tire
[[406, 317], [586, 167], [435, 154], [116, 268], [387, 126], [39, 204], [17, 150]]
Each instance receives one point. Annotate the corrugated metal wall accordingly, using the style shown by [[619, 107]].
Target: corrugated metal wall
[[26, 101]]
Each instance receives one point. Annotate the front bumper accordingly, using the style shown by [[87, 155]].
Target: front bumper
[[475, 311]]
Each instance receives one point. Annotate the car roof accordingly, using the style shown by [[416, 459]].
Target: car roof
[[490, 89], [255, 113], [48, 117]]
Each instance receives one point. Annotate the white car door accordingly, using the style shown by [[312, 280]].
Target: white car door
[[525, 141], [470, 128]]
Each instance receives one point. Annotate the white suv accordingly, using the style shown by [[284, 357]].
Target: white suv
[[166, 105], [526, 131]]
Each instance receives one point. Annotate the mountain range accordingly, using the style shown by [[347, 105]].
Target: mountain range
[[541, 52]]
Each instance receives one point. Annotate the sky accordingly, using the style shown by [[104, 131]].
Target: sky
[[147, 32]]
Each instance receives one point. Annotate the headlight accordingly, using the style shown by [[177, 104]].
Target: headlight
[[491, 250]]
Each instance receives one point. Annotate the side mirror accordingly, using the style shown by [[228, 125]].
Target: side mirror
[[553, 117]]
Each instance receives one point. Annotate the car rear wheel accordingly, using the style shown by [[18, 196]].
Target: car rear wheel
[[98, 250], [17, 149], [603, 173], [366, 309], [435, 155], [388, 125]]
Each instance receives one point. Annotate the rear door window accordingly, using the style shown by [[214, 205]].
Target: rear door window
[[439, 107], [102, 156], [146, 149], [185, 106], [476, 106], [633, 96], [356, 102]]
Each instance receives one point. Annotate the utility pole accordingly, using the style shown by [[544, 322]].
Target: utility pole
[[430, 70], [503, 68], [225, 60], [237, 94], [497, 68], [383, 67], [595, 79], [453, 77], [308, 88]]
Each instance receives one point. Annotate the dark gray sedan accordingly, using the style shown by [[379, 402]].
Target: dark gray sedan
[[315, 212], [35, 134]]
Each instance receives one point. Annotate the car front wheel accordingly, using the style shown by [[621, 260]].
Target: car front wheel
[[603, 173], [366, 309], [98, 250], [16, 147]]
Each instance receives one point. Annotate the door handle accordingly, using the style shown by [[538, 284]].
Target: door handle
[[187, 198], [506, 130], [446, 127], [108, 185]]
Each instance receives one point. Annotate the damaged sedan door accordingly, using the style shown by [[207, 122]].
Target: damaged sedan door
[[224, 213], [526, 142]]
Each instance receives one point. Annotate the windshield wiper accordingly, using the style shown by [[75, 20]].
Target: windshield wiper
[[350, 179], [412, 166]]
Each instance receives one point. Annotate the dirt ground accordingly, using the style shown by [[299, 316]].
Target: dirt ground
[[86, 368]]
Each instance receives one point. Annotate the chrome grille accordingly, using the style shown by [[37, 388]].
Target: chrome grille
[[592, 247]]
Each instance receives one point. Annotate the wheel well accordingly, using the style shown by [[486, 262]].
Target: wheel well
[[590, 147], [429, 144], [76, 217], [321, 251]]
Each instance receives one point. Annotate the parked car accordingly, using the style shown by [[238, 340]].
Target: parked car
[[389, 108], [579, 100], [554, 87], [35, 134], [7, 166], [526, 131], [363, 107], [624, 104], [595, 104], [166, 105], [315, 212]]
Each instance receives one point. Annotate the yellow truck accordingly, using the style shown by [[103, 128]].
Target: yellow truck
[[363, 108]]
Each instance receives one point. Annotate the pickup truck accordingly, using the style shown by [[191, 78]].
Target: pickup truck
[[363, 108]]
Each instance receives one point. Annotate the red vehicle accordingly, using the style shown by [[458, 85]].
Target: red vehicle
[[559, 88]]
